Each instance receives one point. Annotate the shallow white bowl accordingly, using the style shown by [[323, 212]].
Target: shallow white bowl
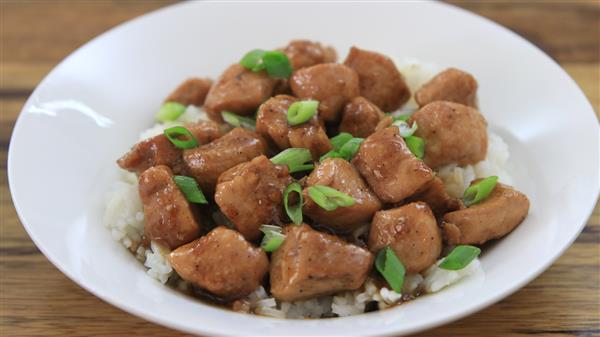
[[91, 107]]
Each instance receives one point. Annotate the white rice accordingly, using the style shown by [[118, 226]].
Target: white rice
[[124, 218]]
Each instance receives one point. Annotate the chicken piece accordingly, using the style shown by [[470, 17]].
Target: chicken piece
[[158, 150], [453, 133], [360, 117], [191, 92], [305, 53], [169, 217], [380, 81], [271, 122], [451, 85], [222, 263], [412, 233], [333, 85], [238, 90], [341, 175], [207, 162], [310, 263], [497, 215], [389, 167], [437, 198], [250, 194]]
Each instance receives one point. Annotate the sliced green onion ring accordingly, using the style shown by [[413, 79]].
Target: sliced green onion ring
[[294, 211], [390, 267], [253, 60], [460, 257], [190, 189], [338, 141], [479, 191], [329, 198], [301, 111], [295, 158], [175, 133], [273, 237], [170, 111], [349, 149], [400, 117], [238, 121], [405, 130], [416, 145], [331, 154], [277, 64]]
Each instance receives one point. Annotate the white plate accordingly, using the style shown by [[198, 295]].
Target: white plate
[[91, 107]]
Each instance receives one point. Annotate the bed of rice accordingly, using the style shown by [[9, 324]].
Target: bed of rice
[[124, 218]]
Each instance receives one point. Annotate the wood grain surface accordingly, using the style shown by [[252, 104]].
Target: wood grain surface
[[37, 300]]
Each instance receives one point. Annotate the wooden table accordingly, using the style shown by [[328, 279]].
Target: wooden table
[[36, 299]]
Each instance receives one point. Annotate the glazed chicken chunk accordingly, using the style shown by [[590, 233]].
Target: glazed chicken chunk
[[250, 194], [169, 218], [412, 233], [238, 90], [497, 215], [341, 175], [311, 263], [222, 263], [207, 162], [333, 85], [380, 81], [453, 133], [191, 92], [389, 167], [451, 85], [158, 150], [360, 117], [305, 53], [271, 122]]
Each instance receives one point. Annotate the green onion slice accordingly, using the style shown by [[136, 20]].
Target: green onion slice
[[478, 192], [238, 121], [405, 130], [190, 189], [302, 111], [400, 117], [181, 137], [170, 111], [338, 141], [460, 257], [275, 62], [273, 237], [329, 198], [390, 267], [295, 211], [253, 60], [295, 158], [349, 149], [331, 154], [416, 145]]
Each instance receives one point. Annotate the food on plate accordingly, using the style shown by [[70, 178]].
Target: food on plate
[[297, 187]]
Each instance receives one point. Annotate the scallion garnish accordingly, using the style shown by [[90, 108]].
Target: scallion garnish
[[416, 145], [181, 137], [190, 189], [479, 191], [405, 130], [390, 267], [170, 111], [340, 140], [460, 257], [400, 117], [301, 111], [275, 62], [329, 198], [331, 154], [295, 158], [293, 211], [238, 121], [349, 149], [273, 237]]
